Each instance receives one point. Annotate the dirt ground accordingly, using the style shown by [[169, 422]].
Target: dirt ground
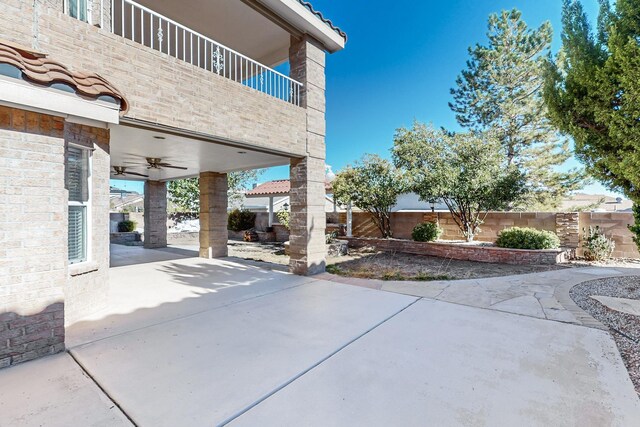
[[389, 266]]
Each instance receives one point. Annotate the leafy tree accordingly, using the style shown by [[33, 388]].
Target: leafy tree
[[501, 91], [185, 193], [592, 89], [373, 185], [466, 171]]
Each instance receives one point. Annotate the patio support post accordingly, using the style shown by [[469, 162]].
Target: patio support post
[[349, 220], [308, 221], [155, 214], [270, 211], [213, 215]]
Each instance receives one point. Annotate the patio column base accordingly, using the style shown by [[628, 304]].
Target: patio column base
[[307, 246], [155, 214], [213, 215]]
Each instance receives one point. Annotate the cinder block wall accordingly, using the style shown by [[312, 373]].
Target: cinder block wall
[[33, 235], [568, 225]]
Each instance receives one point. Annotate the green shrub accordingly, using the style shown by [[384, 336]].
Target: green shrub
[[527, 238], [597, 247], [426, 232], [283, 218], [126, 226], [240, 220]]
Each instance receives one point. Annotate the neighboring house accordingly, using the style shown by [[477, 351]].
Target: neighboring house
[[596, 203], [579, 201], [155, 90], [125, 201], [276, 194]]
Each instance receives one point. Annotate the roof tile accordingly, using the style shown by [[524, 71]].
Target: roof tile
[[36, 67]]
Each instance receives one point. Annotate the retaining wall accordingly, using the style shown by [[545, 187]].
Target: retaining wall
[[464, 252]]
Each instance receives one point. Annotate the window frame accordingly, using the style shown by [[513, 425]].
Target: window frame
[[67, 10], [86, 205]]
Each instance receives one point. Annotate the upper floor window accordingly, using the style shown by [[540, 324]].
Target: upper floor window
[[78, 9], [78, 180]]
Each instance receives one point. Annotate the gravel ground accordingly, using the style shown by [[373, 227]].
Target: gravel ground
[[625, 328]]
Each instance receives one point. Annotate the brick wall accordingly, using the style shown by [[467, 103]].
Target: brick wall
[[33, 235], [568, 226], [87, 287], [161, 89]]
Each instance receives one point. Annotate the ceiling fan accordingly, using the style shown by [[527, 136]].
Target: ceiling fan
[[158, 164], [122, 171]]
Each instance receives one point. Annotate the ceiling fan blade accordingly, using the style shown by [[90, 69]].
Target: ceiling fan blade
[[136, 174], [174, 167]]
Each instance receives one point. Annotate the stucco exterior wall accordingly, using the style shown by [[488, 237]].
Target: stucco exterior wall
[[160, 89]]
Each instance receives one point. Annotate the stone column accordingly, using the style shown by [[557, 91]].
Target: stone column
[[155, 214], [213, 215], [308, 217]]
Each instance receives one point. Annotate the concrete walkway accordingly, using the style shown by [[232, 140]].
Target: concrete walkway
[[541, 295], [194, 342]]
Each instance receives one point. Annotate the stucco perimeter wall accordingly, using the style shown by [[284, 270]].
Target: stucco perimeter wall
[[614, 225], [160, 89], [568, 226]]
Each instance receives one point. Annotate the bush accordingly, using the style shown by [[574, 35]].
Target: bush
[[597, 247], [126, 226], [240, 220], [283, 218], [426, 232], [527, 238]]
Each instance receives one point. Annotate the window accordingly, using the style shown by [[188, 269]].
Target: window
[[77, 177], [78, 9]]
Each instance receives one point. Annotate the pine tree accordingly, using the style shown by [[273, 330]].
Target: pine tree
[[500, 92], [593, 93]]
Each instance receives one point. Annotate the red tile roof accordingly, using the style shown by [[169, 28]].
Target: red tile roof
[[37, 68], [279, 187]]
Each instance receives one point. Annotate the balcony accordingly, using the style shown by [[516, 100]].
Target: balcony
[[140, 24]]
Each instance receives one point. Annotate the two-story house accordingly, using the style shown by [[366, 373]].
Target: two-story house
[[154, 90]]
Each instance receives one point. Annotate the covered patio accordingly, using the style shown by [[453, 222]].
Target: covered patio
[[192, 341]]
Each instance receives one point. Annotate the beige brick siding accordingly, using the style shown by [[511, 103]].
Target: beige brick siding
[[33, 235], [160, 88], [87, 288], [614, 225]]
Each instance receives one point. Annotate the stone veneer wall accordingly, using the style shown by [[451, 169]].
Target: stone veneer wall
[[567, 225], [464, 252]]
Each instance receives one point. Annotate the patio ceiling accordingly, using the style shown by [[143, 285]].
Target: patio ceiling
[[130, 146]]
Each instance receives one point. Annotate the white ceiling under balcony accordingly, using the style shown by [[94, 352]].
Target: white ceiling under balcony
[[131, 146], [230, 22]]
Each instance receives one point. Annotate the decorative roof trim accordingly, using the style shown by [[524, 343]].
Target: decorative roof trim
[[319, 14], [37, 68]]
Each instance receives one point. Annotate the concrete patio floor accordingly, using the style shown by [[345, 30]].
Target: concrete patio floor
[[187, 341]]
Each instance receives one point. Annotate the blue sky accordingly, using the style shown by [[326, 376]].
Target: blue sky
[[399, 64]]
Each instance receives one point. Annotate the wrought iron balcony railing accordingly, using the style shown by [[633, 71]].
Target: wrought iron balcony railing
[[142, 25]]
